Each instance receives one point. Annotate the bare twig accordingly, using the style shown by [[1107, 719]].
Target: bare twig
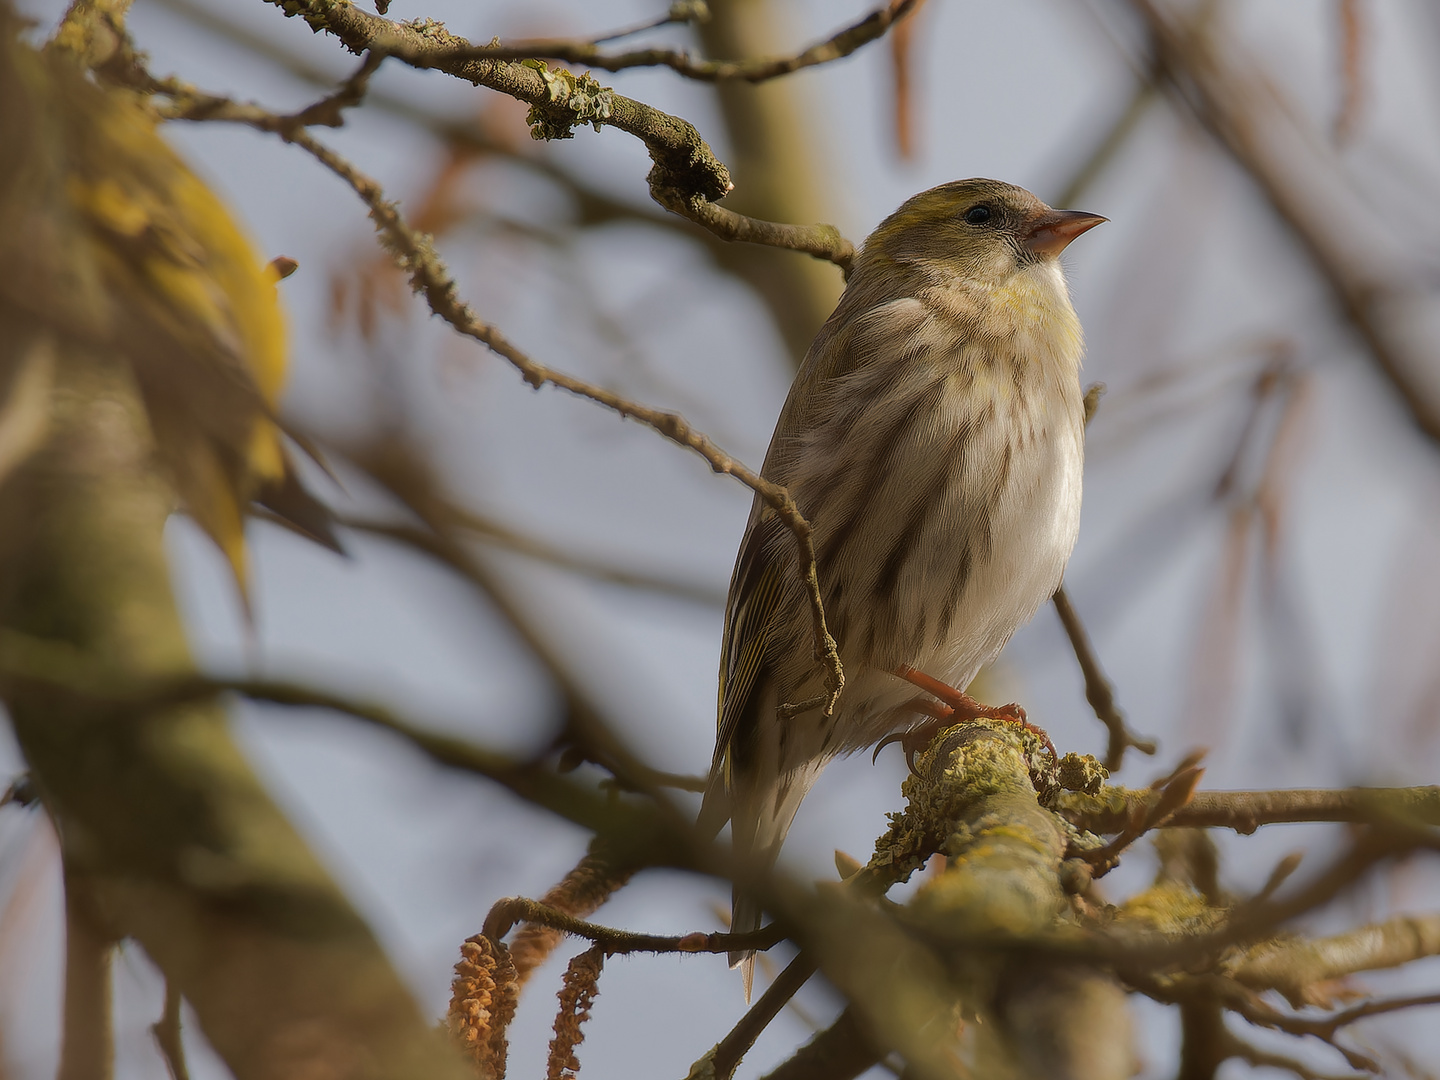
[[415, 254], [429, 276], [592, 881], [836, 47], [684, 11], [167, 1033], [512, 539], [1297, 969], [1109, 144], [654, 828], [506, 913], [1176, 790], [1352, 62], [398, 470], [840, 1052], [733, 1047], [1098, 691], [1228, 93], [1233, 1046], [1246, 811]]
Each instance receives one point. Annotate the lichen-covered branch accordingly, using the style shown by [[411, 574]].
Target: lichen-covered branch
[[1003, 880], [1113, 808], [686, 175], [1297, 968]]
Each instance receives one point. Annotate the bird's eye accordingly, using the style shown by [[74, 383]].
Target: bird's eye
[[977, 215]]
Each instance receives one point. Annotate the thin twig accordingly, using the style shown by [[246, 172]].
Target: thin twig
[[415, 254], [1177, 790], [1109, 145], [428, 275], [1228, 93], [732, 1048], [1235, 1047], [685, 11], [588, 884], [839, 45], [1300, 970], [167, 1033], [1246, 811], [1098, 690], [507, 537], [840, 1052], [516, 909]]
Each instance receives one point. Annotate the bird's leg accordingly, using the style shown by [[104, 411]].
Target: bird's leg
[[959, 707]]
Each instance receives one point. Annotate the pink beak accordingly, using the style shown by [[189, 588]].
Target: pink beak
[[1051, 232]]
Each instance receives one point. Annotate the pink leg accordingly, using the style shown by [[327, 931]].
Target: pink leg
[[957, 707]]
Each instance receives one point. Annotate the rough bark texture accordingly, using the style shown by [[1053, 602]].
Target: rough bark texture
[[974, 796]]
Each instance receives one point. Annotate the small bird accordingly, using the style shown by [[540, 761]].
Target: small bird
[[934, 438], [110, 243]]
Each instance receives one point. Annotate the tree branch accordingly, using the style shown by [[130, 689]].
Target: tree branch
[[686, 176], [1245, 811], [515, 909], [836, 47], [1298, 968], [1098, 690], [1229, 95]]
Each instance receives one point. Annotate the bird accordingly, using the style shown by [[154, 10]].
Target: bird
[[934, 440], [111, 243]]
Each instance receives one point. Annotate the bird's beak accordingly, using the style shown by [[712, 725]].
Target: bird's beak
[[1049, 233]]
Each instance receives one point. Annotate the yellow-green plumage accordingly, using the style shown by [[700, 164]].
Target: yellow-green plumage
[[933, 438], [110, 243]]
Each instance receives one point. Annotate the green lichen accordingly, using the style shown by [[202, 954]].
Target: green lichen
[[430, 29], [574, 100], [1174, 908], [1081, 772], [962, 766]]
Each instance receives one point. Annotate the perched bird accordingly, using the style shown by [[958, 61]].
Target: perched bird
[[110, 244], [934, 440]]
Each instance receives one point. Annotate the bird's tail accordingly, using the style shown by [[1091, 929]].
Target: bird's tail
[[760, 817]]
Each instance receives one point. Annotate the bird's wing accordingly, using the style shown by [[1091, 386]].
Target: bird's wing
[[755, 593], [850, 339]]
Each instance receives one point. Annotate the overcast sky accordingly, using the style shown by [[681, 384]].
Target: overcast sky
[[1184, 296]]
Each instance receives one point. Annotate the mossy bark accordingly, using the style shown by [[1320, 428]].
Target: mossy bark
[[975, 798], [163, 825]]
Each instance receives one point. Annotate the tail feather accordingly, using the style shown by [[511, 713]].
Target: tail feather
[[744, 918], [760, 818]]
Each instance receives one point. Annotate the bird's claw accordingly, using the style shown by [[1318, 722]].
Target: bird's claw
[[912, 741]]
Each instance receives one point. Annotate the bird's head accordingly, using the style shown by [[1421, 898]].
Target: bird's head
[[983, 231]]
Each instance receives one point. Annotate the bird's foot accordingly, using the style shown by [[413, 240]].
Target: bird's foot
[[954, 707], [915, 739]]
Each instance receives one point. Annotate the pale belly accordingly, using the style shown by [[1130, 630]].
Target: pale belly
[[987, 547]]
